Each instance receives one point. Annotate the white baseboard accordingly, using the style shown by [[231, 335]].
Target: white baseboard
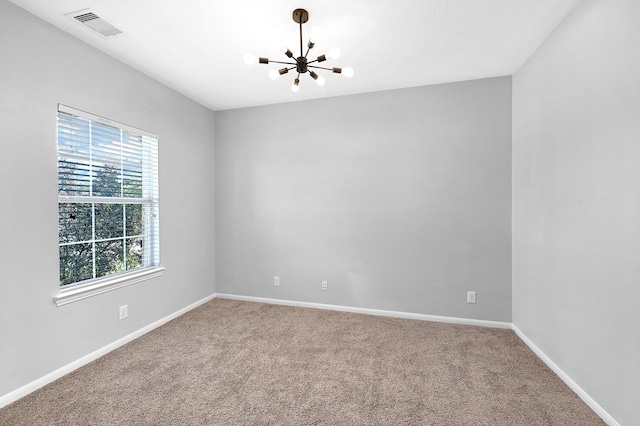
[[45, 380], [378, 312], [608, 419]]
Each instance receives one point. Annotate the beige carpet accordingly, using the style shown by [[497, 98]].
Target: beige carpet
[[241, 363]]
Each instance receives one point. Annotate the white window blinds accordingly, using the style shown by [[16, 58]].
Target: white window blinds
[[107, 197]]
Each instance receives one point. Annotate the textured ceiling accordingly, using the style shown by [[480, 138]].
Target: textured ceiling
[[197, 46]]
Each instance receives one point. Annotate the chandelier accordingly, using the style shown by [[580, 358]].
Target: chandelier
[[302, 65]]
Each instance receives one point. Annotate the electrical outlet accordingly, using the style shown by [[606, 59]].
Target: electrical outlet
[[471, 297], [124, 311], [324, 286], [276, 281]]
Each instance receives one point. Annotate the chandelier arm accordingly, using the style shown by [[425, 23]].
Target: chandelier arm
[[320, 68], [285, 63]]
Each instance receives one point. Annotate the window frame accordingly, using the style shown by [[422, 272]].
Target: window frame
[[87, 288]]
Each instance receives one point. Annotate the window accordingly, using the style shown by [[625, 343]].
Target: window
[[107, 199]]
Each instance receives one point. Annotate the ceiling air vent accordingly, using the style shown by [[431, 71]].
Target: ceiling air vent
[[96, 23]]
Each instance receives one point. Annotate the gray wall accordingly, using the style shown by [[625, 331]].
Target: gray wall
[[401, 200], [41, 67], [576, 202]]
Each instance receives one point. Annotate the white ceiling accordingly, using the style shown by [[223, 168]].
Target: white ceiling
[[197, 46]]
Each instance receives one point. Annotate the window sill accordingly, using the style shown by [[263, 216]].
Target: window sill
[[107, 284]]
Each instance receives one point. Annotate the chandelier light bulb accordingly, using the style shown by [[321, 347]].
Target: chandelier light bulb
[[319, 79], [273, 74], [286, 51], [316, 34], [250, 59], [347, 72], [295, 86], [334, 53]]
